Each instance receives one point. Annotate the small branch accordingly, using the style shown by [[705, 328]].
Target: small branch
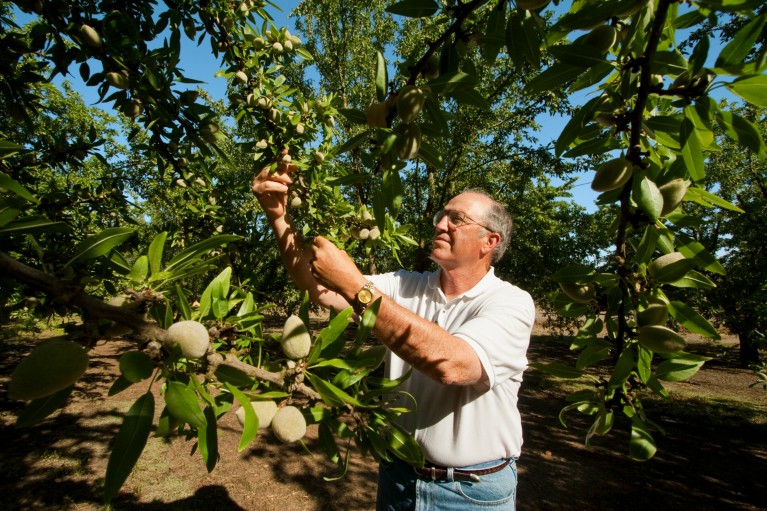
[[218, 359], [145, 331]]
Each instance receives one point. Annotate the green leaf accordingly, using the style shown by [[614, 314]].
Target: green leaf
[[449, 83], [470, 97], [8, 148], [700, 116], [592, 76], [708, 199], [353, 142], [692, 321], [330, 339], [128, 444], [493, 37], [553, 78], [367, 322], [752, 89], [403, 445], [213, 298], [623, 368], [558, 369], [250, 428], [118, 261], [586, 17], [742, 130], [14, 186], [692, 153], [664, 129], [430, 155], [182, 304], [644, 364], [533, 40], [40, 408], [581, 55], [188, 256], [182, 403], [207, 439], [594, 352], [742, 44], [695, 250], [566, 307], [33, 225], [695, 280], [601, 426], [140, 269], [647, 245], [247, 306], [136, 366], [232, 376], [575, 274], [414, 8], [156, 249], [641, 445], [668, 63], [680, 366], [100, 244], [354, 115], [516, 40], [572, 129], [120, 384], [382, 77], [332, 395]]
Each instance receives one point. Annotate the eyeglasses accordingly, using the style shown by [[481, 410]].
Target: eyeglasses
[[456, 219]]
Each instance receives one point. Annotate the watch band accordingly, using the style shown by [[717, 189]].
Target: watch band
[[363, 298]]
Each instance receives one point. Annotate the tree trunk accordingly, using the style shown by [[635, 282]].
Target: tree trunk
[[749, 348]]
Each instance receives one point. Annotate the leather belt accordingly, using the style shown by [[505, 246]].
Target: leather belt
[[436, 473]]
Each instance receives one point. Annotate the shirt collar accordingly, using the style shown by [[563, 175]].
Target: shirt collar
[[478, 288]]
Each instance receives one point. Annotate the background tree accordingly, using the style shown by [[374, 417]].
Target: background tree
[[452, 110], [738, 240]]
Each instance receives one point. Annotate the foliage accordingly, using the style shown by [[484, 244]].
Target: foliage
[[455, 111], [738, 239]]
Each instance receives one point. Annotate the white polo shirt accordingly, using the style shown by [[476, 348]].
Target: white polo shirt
[[457, 426]]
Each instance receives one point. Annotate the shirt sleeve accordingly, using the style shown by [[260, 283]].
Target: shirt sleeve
[[499, 332]]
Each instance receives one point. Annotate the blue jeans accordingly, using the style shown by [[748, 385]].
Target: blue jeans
[[400, 489]]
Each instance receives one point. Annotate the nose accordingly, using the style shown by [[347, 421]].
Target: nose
[[443, 224]]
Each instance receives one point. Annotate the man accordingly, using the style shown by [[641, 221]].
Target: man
[[463, 330]]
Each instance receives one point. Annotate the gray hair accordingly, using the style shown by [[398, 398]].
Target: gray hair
[[498, 220]]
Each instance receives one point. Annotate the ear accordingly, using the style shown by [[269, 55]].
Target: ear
[[492, 241]]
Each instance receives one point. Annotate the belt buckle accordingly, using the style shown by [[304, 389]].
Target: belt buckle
[[465, 475]]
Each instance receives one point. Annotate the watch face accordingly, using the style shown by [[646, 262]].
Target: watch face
[[365, 296]]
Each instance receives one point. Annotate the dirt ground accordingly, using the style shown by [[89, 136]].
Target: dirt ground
[[705, 461]]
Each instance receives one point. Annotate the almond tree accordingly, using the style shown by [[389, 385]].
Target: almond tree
[[648, 129]]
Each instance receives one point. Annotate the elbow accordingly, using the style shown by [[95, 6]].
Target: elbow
[[461, 376]]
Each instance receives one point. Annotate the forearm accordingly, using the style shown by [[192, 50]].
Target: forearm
[[426, 346], [296, 258]]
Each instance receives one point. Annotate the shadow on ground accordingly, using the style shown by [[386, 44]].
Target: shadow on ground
[[704, 462]]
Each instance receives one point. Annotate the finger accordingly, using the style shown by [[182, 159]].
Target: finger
[[286, 168], [262, 187]]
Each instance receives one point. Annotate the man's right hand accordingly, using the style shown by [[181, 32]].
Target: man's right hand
[[271, 189]]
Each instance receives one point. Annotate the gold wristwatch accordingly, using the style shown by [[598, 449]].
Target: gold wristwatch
[[364, 297]]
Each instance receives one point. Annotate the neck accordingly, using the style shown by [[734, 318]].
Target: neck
[[457, 281]]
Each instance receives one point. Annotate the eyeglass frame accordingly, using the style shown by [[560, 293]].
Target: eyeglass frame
[[439, 215]]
